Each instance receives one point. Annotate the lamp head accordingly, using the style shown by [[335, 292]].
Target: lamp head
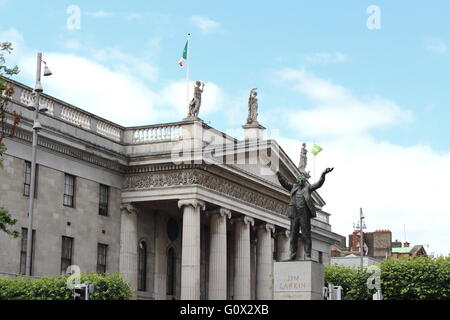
[[38, 87], [47, 71], [37, 125]]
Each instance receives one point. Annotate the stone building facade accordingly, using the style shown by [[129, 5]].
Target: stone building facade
[[182, 210]]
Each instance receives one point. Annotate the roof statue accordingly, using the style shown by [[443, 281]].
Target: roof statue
[[194, 105], [303, 158], [252, 117]]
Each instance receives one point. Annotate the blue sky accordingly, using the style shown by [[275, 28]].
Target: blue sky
[[369, 97]]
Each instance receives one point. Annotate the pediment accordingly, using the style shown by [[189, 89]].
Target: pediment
[[259, 160]]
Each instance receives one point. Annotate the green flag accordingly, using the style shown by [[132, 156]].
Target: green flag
[[184, 56], [316, 149]]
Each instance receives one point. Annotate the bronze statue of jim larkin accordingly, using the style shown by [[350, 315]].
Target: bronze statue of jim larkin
[[301, 210]]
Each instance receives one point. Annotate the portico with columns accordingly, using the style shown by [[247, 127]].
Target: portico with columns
[[231, 217]]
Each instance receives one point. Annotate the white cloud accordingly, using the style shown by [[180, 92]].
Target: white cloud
[[116, 96], [394, 184], [336, 111], [436, 46], [113, 85], [126, 63], [326, 58], [206, 25], [17, 41]]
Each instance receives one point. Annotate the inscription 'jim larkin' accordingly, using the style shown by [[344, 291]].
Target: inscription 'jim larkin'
[[293, 282]]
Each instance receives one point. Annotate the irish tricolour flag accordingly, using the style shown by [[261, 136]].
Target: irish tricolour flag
[[184, 56]]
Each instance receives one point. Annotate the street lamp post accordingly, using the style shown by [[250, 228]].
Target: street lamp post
[[36, 127], [361, 241]]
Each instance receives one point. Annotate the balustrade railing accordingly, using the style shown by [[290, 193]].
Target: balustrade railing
[[76, 117], [27, 98], [108, 130], [155, 134]]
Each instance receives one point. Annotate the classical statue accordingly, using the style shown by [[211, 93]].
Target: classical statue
[[252, 107], [194, 105], [303, 158], [301, 210]]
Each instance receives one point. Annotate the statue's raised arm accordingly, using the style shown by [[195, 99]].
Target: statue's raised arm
[[321, 181]]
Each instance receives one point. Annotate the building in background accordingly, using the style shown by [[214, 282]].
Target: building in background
[[407, 251], [378, 246]]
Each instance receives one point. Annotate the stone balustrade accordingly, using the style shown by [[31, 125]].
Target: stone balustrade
[[158, 133], [27, 98], [87, 121], [76, 117], [109, 131]]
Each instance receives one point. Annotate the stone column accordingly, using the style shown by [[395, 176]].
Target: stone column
[[128, 261], [217, 284], [283, 245], [190, 252], [242, 277], [264, 260]]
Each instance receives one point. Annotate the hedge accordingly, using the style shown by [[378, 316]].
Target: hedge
[[401, 279], [106, 287]]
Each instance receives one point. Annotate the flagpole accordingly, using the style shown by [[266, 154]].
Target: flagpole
[[188, 56], [314, 169], [314, 166]]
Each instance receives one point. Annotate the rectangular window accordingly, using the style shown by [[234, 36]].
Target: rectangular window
[[103, 203], [27, 180], [23, 250], [320, 257], [102, 250], [66, 253], [69, 190]]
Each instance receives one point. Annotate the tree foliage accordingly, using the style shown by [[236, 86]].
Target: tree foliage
[[6, 222], [418, 278], [106, 287]]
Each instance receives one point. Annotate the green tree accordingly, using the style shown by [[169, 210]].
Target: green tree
[[419, 278], [106, 287], [6, 91]]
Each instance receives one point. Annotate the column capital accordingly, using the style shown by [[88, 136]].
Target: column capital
[[268, 226], [191, 202], [285, 233], [221, 211], [245, 219], [129, 208]]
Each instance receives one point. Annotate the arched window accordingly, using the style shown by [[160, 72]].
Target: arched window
[[171, 272], [142, 268]]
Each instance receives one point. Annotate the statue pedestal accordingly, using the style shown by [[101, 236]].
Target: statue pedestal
[[253, 131], [298, 280]]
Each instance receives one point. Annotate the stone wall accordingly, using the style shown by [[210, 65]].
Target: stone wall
[[52, 219]]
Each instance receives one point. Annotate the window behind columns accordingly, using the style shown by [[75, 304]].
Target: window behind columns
[[102, 250], [142, 275], [171, 265], [66, 253]]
